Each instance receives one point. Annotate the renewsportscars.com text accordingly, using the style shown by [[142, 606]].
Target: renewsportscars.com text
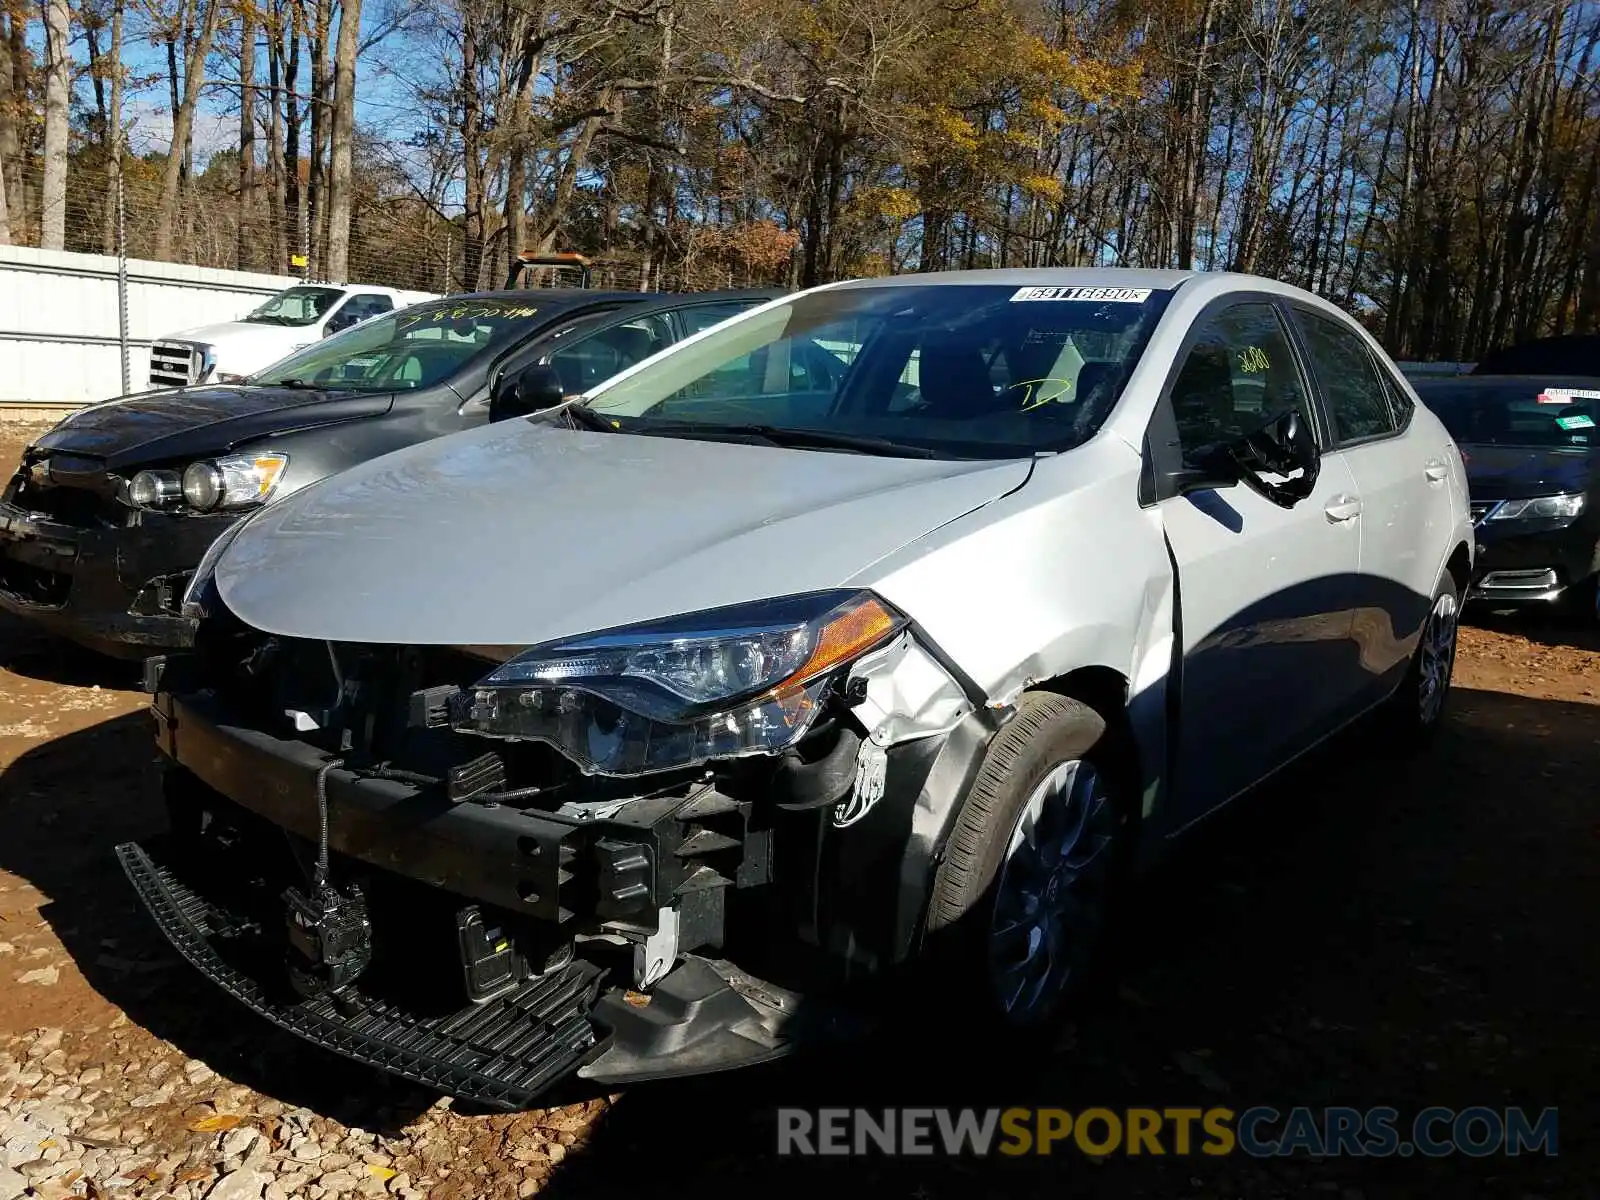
[[1260, 1132]]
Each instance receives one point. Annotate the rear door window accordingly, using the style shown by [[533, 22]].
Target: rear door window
[[1359, 405]]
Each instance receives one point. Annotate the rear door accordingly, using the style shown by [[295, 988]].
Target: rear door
[[1264, 592], [1403, 481]]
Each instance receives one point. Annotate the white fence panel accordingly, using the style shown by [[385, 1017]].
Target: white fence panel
[[58, 318]]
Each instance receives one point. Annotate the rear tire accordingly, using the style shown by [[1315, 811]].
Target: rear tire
[[1031, 875], [1414, 712]]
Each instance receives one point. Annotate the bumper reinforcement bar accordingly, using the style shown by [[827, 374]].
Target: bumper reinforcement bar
[[501, 1054]]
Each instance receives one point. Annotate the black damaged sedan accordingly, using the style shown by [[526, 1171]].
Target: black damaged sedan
[[1532, 449], [109, 513]]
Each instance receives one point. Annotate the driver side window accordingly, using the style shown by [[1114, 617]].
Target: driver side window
[[1240, 373], [593, 360]]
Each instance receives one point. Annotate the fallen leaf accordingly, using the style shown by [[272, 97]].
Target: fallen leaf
[[215, 1124], [193, 1175], [381, 1173]]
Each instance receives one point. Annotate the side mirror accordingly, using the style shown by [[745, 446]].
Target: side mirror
[[521, 393], [1285, 447]]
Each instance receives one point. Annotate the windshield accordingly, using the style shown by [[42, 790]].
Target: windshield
[[415, 347], [1533, 413], [297, 306], [964, 370]]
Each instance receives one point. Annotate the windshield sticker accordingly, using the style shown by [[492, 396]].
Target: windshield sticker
[[1253, 360], [1567, 395], [1092, 295], [467, 312], [1576, 421]]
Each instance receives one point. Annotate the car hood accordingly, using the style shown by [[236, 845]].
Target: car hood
[[243, 335], [519, 533], [1513, 472], [186, 422]]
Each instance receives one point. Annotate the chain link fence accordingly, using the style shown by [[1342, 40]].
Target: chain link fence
[[395, 240]]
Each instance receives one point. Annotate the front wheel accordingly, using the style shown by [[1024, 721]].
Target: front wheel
[[1022, 899]]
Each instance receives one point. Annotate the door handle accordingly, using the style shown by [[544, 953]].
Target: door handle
[[1342, 508], [1436, 471]]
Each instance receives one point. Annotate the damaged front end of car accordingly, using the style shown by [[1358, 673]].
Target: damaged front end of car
[[648, 852]]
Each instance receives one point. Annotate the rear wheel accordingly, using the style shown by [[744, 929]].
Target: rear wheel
[[1417, 706], [1023, 897]]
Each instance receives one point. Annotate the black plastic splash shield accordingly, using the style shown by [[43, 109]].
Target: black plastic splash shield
[[501, 1054]]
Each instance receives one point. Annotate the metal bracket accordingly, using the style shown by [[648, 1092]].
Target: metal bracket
[[653, 957]]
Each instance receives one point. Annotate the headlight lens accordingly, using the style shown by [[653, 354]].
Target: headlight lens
[[233, 482], [1541, 508], [720, 684], [202, 485], [155, 489]]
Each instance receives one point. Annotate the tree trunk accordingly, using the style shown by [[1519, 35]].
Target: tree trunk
[[317, 199], [245, 254], [13, 86], [275, 172], [474, 218], [294, 210], [8, 133], [344, 120], [114, 146], [182, 127], [57, 101]]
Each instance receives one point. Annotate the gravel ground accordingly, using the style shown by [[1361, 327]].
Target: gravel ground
[[1364, 932]]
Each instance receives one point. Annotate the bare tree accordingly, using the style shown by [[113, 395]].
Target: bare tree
[[247, 132], [342, 137], [113, 132], [57, 117]]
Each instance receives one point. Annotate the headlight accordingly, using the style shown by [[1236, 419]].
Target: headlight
[[1540, 508], [155, 489], [725, 683], [233, 482]]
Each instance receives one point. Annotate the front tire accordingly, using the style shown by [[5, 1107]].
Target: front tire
[[1023, 898]]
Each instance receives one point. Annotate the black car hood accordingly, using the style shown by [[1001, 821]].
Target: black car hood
[[1514, 472], [187, 422]]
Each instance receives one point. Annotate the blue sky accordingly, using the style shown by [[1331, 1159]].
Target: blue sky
[[387, 78]]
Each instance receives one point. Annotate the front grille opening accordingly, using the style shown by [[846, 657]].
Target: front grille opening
[[35, 585], [74, 506]]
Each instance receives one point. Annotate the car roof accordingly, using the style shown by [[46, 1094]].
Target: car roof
[[1043, 277], [558, 299]]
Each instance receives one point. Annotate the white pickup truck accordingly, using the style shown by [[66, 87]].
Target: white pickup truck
[[230, 351]]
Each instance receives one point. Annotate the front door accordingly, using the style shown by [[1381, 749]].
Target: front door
[[1264, 591]]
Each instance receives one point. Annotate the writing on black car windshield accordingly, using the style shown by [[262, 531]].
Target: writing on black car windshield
[[412, 348], [1518, 413], [297, 306], [962, 370]]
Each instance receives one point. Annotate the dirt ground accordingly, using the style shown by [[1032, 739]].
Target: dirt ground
[[1366, 932]]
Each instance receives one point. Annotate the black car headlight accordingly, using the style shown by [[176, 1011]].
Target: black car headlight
[[237, 481], [723, 683], [1562, 507]]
